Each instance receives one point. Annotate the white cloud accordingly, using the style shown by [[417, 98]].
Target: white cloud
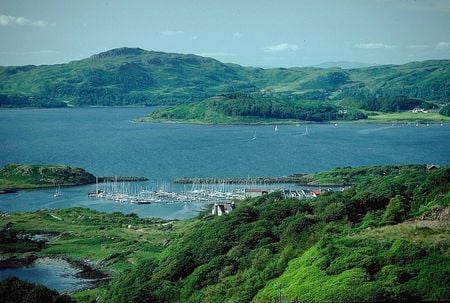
[[374, 45], [280, 48], [6, 20], [418, 46], [238, 35], [168, 32], [443, 45], [216, 54]]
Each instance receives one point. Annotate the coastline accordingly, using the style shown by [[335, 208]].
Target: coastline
[[445, 120]]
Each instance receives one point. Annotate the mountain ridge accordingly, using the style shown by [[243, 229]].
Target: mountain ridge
[[127, 76]]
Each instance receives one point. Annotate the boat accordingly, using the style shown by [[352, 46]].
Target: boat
[[276, 127], [306, 133], [57, 192], [254, 136]]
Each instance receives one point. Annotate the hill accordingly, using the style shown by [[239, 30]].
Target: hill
[[22, 176], [228, 109], [130, 76], [383, 239]]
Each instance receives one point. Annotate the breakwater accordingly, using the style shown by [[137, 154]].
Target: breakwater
[[295, 179], [121, 179]]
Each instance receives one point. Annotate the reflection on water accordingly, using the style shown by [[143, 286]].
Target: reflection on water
[[56, 274]]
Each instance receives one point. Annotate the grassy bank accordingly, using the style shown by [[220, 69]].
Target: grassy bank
[[22, 176], [408, 116], [111, 243]]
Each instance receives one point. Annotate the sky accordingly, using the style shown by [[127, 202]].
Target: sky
[[282, 33]]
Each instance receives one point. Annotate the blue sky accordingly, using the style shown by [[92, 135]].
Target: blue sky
[[251, 33]]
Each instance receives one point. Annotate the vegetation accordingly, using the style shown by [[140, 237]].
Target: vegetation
[[364, 174], [385, 238], [315, 250], [245, 109], [127, 76], [408, 117], [113, 242], [445, 111], [21, 176], [13, 290]]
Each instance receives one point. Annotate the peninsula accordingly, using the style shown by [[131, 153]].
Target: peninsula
[[31, 176]]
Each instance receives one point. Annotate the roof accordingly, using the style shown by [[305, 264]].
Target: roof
[[253, 190]]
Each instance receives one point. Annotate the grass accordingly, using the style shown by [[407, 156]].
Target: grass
[[408, 116], [113, 241], [28, 176], [397, 261]]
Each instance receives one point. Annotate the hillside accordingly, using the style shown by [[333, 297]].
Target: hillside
[[386, 238], [240, 109], [127, 76], [21, 176], [368, 243]]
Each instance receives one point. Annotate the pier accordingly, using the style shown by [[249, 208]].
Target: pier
[[122, 179], [295, 179]]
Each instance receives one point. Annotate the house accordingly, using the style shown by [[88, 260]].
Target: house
[[316, 192], [254, 192], [222, 208], [431, 167], [419, 110]]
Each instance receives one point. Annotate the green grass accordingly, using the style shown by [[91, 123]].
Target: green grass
[[89, 235], [352, 175], [27, 176], [408, 116], [390, 262]]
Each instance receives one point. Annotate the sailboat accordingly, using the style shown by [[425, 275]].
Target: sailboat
[[306, 133], [254, 136], [57, 192], [276, 127]]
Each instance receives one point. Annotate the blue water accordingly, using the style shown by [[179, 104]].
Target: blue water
[[54, 274], [104, 141]]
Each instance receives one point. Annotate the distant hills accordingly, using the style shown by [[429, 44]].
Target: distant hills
[[344, 64], [133, 76]]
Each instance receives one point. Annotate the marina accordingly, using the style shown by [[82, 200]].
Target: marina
[[126, 192]]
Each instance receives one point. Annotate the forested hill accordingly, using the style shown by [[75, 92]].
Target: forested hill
[[385, 239], [126, 76]]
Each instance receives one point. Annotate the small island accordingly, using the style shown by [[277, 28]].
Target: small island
[[247, 109], [30, 176]]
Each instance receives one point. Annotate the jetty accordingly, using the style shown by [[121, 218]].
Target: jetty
[[294, 179], [121, 179]]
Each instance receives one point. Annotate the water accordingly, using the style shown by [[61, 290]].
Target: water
[[105, 142], [55, 274]]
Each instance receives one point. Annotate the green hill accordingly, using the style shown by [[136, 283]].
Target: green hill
[[22, 176], [244, 109], [383, 239], [127, 76]]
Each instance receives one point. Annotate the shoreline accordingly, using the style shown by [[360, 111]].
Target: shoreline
[[290, 122]]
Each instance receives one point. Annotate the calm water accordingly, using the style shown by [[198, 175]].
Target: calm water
[[105, 142], [55, 274]]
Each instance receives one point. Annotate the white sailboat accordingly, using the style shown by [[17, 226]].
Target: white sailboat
[[254, 136], [276, 127], [57, 192], [306, 133]]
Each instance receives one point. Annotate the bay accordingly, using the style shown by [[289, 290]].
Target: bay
[[55, 274], [106, 142]]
